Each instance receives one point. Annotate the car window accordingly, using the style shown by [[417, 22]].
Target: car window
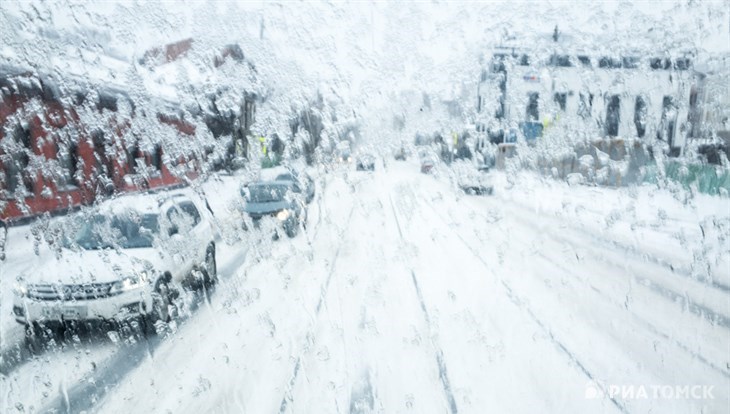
[[286, 177], [263, 193], [126, 230], [180, 220], [189, 209]]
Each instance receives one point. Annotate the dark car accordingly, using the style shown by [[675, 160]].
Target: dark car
[[365, 162], [276, 199], [301, 183]]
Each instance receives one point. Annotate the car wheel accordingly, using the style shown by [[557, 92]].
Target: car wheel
[[163, 306], [38, 337], [210, 270], [292, 229]]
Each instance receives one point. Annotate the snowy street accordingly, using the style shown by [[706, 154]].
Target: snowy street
[[405, 295]]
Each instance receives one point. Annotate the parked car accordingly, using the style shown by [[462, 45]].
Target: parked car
[[473, 180], [276, 200], [365, 162], [301, 182], [124, 260]]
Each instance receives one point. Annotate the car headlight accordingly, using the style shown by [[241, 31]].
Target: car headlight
[[349, 159], [20, 290], [283, 215], [129, 283]]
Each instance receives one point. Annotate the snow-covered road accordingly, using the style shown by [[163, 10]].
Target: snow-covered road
[[404, 295]]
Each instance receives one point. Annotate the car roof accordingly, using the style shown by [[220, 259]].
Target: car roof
[[141, 203], [286, 183], [270, 174]]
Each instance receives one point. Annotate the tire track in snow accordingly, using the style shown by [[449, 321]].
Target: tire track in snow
[[646, 324], [524, 306], [443, 373], [671, 295], [287, 397], [599, 241]]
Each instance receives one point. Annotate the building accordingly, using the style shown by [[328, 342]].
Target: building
[[64, 146], [621, 94]]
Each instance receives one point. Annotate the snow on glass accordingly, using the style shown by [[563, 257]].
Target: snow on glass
[[364, 207]]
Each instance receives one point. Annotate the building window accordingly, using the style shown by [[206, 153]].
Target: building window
[[561, 99], [659, 63], [669, 119], [609, 63], [156, 157], [533, 110], [585, 61], [613, 115], [67, 156], [17, 160], [640, 115], [132, 154], [630, 62], [694, 112], [107, 101], [585, 105], [14, 166], [560, 61], [682, 64]]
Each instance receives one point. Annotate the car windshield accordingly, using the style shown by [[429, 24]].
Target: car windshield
[[123, 231], [266, 193], [285, 177]]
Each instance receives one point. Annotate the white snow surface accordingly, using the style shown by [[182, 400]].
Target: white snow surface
[[404, 295]]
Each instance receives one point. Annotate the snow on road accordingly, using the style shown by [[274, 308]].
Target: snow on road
[[404, 295]]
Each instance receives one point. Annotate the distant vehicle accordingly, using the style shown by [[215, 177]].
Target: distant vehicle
[[343, 152], [365, 162], [428, 159], [344, 156], [127, 259], [400, 154], [277, 200], [301, 183], [473, 180], [427, 165]]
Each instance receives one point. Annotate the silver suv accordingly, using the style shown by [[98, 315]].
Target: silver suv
[[126, 259]]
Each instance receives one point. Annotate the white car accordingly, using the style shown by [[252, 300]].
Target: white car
[[126, 259]]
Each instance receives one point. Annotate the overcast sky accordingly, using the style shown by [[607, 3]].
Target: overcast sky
[[366, 51]]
